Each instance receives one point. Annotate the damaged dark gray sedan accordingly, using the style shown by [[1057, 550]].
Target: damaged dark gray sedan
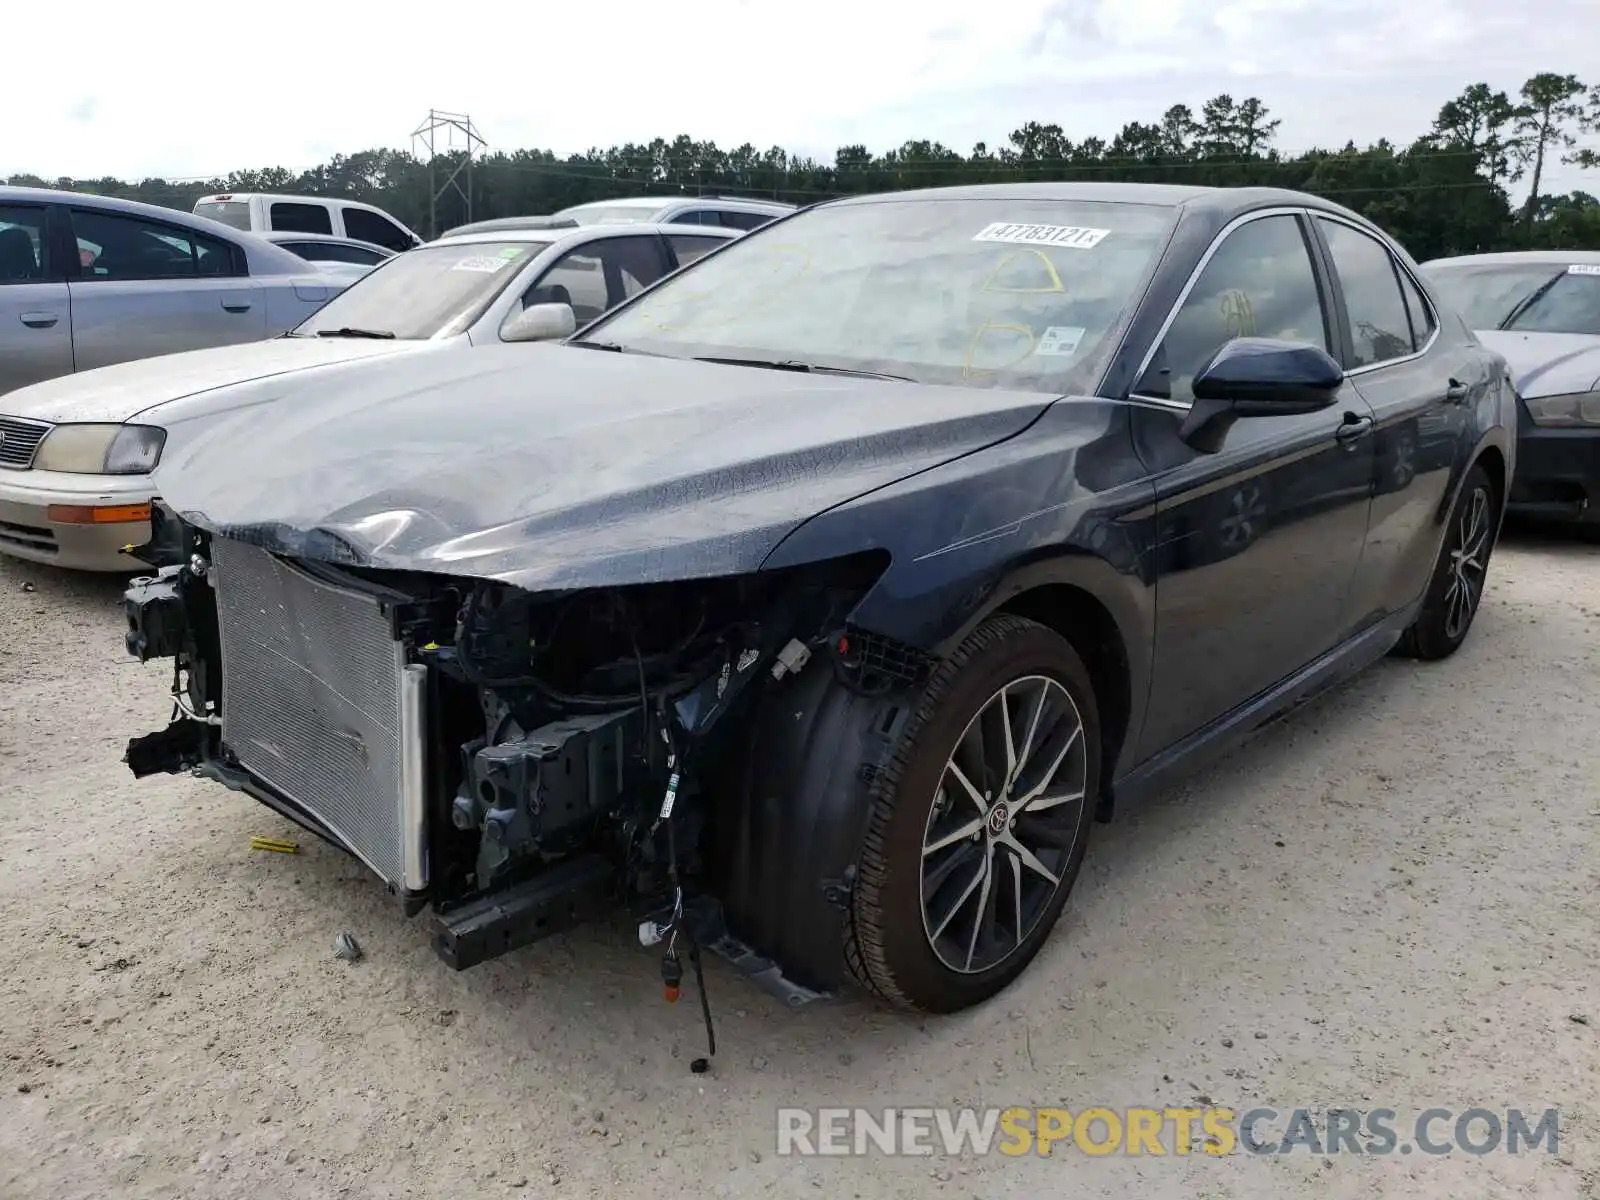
[[815, 602]]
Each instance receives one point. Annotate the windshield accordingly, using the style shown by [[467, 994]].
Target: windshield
[[988, 293], [612, 214], [1525, 297], [229, 212], [432, 291]]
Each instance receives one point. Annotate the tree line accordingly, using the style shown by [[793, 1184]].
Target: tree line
[[1447, 192]]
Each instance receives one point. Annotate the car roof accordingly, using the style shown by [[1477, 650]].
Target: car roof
[[653, 202], [1219, 201], [134, 208], [1513, 258], [296, 198], [579, 233]]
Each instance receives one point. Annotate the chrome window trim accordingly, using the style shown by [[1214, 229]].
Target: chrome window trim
[[1216, 243], [1144, 401], [1194, 277], [1399, 266]]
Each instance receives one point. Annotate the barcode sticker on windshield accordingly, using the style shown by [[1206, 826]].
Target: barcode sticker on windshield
[[1060, 339], [1584, 269], [480, 262], [1073, 237]]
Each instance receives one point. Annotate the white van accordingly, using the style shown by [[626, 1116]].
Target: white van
[[264, 211]]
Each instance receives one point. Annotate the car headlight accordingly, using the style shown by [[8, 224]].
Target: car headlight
[[1575, 408], [101, 449]]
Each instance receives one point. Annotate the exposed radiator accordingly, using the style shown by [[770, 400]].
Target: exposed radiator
[[318, 702]]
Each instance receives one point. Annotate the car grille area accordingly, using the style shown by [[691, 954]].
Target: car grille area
[[28, 537], [19, 441], [312, 683]]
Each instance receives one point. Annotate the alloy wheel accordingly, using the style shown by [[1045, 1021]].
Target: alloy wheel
[[1468, 564], [1003, 824]]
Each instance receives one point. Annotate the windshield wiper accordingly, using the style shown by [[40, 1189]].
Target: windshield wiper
[[1528, 301], [616, 348], [348, 331], [795, 364]]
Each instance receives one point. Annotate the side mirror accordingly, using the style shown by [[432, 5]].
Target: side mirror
[[1258, 377], [540, 323]]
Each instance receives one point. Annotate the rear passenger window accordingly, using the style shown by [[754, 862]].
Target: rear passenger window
[[333, 252], [367, 226], [688, 247], [112, 246], [23, 257], [1422, 322], [1259, 283], [743, 220], [300, 218], [1379, 327]]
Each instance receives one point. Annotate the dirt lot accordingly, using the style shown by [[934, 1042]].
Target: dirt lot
[[1390, 900]]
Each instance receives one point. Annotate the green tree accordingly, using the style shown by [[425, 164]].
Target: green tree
[[1474, 123], [1550, 107], [1589, 122]]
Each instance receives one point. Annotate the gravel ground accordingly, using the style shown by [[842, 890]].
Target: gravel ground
[[1389, 900]]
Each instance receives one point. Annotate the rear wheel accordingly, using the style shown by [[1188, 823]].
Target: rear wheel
[[979, 823], [1456, 589]]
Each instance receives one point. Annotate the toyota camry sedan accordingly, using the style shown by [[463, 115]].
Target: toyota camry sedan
[[814, 603]]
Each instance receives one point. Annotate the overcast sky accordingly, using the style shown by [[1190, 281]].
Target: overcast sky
[[184, 89]]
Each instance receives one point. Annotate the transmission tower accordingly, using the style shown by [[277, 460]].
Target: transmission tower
[[452, 135]]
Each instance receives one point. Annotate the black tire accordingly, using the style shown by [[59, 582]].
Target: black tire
[[889, 944], [1441, 627]]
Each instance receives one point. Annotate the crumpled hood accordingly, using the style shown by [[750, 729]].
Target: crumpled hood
[[124, 390], [552, 466], [1548, 364]]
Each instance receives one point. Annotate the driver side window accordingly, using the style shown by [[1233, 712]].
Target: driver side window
[[598, 276], [1259, 283]]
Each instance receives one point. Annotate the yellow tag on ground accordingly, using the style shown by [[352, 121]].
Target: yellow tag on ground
[[278, 845]]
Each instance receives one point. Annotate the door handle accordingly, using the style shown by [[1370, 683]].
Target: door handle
[[1354, 429], [236, 306], [40, 320], [1456, 392]]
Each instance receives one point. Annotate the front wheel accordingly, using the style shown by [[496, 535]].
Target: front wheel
[[1459, 576], [979, 822]]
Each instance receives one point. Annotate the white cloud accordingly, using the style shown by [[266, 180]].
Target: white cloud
[[189, 89]]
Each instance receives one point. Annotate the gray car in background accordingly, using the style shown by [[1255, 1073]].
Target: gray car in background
[[323, 248], [86, 281], [1541, 309]]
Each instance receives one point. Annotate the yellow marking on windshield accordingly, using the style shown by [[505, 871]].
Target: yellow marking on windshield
[[1238, 312], [970, 372], [1006, 260]]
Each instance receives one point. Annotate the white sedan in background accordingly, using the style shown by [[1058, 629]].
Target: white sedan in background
[[76, 452]]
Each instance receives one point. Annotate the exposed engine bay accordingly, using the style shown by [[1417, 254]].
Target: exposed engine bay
[[518, 762]]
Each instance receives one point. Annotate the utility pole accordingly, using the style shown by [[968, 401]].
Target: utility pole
[[450, 134]]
